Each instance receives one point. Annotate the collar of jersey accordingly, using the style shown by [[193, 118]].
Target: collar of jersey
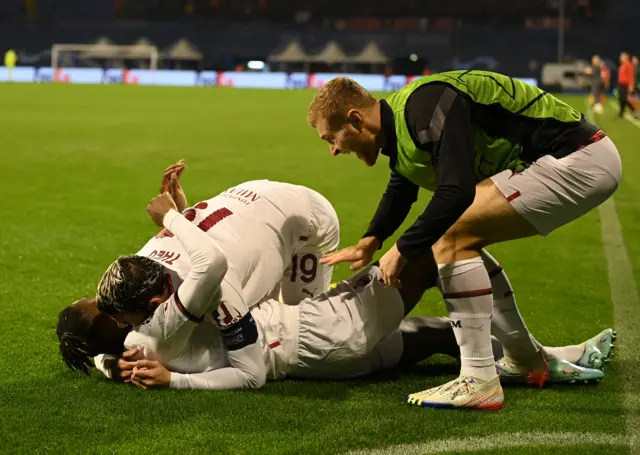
[[389, 133]]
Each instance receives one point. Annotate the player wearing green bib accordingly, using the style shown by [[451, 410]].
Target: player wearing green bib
[[505, 160]]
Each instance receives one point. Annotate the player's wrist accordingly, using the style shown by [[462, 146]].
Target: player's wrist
[[370, 243], [169, 217], [178, 381], [181, 205]]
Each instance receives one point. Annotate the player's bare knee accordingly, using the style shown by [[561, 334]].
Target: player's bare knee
[[456, 245]]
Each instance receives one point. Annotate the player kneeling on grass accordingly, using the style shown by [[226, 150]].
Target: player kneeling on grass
[[505, 161]]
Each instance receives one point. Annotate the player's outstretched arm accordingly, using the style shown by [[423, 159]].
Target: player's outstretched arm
[[246, 369], [173, 322], [246, 372], [392, 211], [393, 208], [359, 254], [249, 374], [208, 262], [453, 157]]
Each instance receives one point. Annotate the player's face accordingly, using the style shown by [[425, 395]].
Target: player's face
[[351, 137], [101, 323]]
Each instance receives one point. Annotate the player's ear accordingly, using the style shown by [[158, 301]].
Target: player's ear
[[355, 117], [157, 300]]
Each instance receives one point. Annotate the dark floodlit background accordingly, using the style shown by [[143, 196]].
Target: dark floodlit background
[[400, 37]]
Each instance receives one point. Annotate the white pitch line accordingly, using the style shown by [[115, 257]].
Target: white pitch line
[[500, 441], [626, 308], [627, 116]]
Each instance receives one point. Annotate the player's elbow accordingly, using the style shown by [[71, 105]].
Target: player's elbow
[[215, 264]]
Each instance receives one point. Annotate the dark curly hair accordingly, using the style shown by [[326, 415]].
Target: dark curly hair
[[84, 333]]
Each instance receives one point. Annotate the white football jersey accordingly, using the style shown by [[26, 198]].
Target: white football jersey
[[199, 347], [273, 235], [205, 350], [205, 323], [260, 225]]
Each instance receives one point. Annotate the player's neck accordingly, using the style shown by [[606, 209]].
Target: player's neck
[[374, 123]]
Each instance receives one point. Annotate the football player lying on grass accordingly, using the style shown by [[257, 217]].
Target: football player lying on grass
[[351, 330], [273, 234]]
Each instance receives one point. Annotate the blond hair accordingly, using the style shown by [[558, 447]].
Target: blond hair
[[335, 99], [129, 284]]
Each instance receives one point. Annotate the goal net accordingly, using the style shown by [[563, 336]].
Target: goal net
[[66, 55]]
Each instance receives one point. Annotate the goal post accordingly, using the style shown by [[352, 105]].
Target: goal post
[[107, 52]]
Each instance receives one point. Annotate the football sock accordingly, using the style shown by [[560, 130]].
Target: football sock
[[466, 289], [507, 323]]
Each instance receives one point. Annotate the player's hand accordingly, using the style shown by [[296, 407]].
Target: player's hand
[[150, 373], [177, 168], [160, 206], [126, 363], [391, 265], [359, 255], [171, 184]]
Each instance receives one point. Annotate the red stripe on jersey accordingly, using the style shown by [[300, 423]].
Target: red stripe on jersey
[[515, 195], [467, 294], [597, 136], [274, 345], [184, 311]]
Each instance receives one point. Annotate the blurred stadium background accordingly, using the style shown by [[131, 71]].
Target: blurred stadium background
[[522, 38]]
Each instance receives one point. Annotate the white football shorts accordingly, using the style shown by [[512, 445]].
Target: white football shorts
[[348, 331], [553, 192]]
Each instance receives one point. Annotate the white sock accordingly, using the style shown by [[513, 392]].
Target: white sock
[[507, 323], [466, 289], [569, 353]]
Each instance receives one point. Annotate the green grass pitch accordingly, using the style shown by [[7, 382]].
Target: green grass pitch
[[79, 164]]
